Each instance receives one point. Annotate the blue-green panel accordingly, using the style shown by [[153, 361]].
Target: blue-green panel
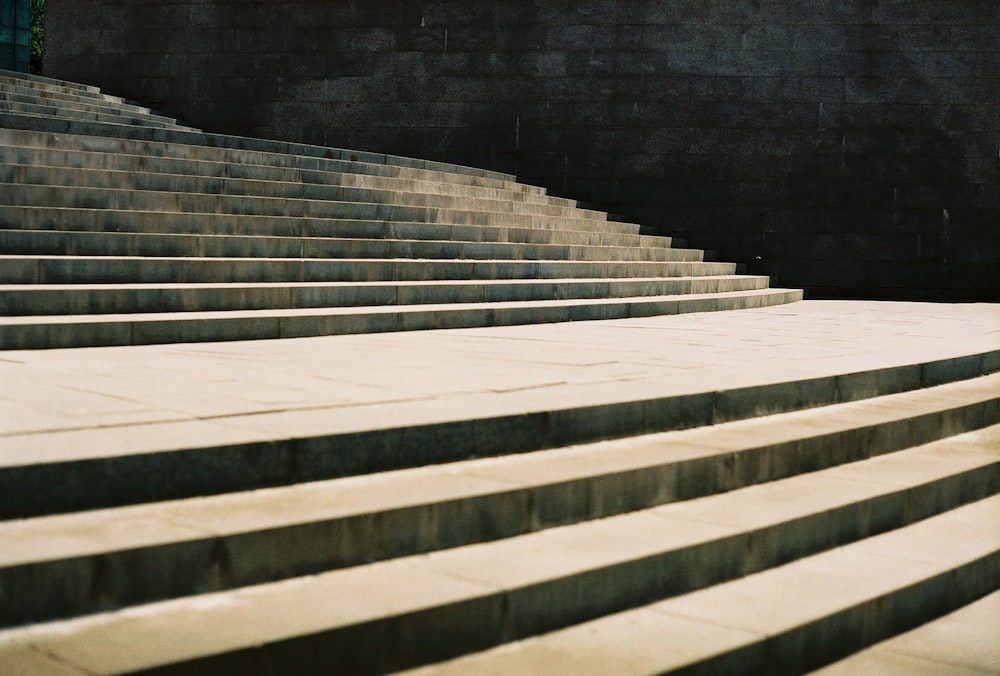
[[14, 35]]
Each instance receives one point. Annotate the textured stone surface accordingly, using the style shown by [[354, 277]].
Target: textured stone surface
[[849, 147]]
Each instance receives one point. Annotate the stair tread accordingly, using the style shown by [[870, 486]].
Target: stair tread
[[183, 136], [962, 643], [62, 536], [728, 617], [387, 309], [401, 283], [373, 592], [231, 427], [222, 171]]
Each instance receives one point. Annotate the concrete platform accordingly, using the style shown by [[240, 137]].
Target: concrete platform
[[262, 389]]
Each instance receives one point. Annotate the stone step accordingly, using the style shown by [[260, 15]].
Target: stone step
[[45, 242], [42, 83], [409, 611], [112, 137], [490, 213], [103, 153], [421, 194], [71, 223], [63, 112], [788, 619], [78, 299], [147, 270], [38, 332], [90, 468], [167, 549], [71, 104], [33, 94], [32, 165], [962, 643]]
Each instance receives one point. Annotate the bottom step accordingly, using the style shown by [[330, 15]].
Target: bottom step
[[786, 620], [24, 333], [963, 643]]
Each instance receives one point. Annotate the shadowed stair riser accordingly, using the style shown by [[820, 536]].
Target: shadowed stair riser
[[138, 573], [42, 83], [787, 620], [679, 553], [156, 141], [29, 164], [144, 200], [19, 102], [147, 329], [309, 185], [124, 270], [69, 483], [36, 242], [77, 225], [65, 113], [74, 101], [114, 299]]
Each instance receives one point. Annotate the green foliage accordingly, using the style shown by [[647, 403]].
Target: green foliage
[[36, 27]]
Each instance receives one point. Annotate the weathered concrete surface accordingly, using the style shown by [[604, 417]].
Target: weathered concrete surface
[[266, 389]]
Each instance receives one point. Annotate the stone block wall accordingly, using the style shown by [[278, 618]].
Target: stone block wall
[[846, 146]]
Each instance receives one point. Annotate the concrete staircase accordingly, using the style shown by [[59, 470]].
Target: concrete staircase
[[121, 227], [773, 521]]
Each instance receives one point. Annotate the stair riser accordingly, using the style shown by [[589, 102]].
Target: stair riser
[[68, 105], [45, 243], [85, 116], [68, 587], [438, 633], [89, 300], [147, 330], [44, 84], [59, 270], [33, 490], [51, 97], [55, 179], [40, 220], [821, 642], [62, 167], [199, 145], [184, 203]]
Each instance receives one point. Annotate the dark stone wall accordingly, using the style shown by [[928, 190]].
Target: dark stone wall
[[846, 146]]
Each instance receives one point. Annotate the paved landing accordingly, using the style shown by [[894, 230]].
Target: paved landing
[[161, 394]]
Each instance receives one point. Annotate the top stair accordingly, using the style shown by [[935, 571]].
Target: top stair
[[119, 226]]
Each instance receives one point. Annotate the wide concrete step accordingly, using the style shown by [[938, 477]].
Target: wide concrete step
[[87, 468], [963, 642], [411, 610], [42, 83], [136, 269], [28, 242], [403, 206], [55, 96], [788, 619], [82, 114], [195, 144], [77, 299], [422, 194], [101, 169], [14, 219], [37, 332], [403, 513], [69, 105]]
